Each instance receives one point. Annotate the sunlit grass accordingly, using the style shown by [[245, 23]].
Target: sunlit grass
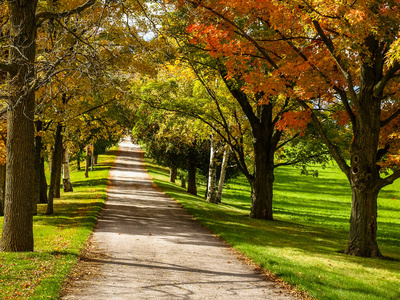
[[59, 238], [303, 245]]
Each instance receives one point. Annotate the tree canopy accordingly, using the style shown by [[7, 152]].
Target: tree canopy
[[280, 82]]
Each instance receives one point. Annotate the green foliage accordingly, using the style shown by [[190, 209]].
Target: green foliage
[[303, 245], [59, 239]]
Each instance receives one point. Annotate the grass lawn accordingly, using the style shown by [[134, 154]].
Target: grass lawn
[[59, 238], [303, 245]]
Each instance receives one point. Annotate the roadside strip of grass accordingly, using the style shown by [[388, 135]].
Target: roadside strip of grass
[[59, 238], [303, 245]]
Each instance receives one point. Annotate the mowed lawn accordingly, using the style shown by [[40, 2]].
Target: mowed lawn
[[59, 238], [303, 246]]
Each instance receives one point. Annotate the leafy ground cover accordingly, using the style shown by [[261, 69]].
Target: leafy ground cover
[[303, 245], [59, 238]]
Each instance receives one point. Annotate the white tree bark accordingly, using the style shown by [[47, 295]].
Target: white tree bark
[[224, 165], [212, 173], [67, 185]]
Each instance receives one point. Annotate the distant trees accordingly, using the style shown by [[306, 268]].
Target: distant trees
[[173, 141]]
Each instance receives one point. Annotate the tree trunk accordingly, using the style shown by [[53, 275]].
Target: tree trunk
[[78, 162], [2, 188], [50, 156], [87, 162], [224, 166], [265, 140], [67, 185], [43, 183], [212, 174], [53, 175], [92, 162], [364, 177], [364, 171], [363, 225], [192, 189], [18, 220], [172, 174], [183, 181], [262, 192], [95, 159], [38, 151], [57, 186]]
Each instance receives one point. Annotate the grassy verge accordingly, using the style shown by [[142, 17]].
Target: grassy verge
[[302, 246], [59, 239]]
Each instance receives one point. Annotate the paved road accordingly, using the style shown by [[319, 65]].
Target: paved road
[[155, 250]]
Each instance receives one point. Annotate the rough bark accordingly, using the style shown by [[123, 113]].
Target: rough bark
[[191, 185], [53, 175], [67, 185], [2, 188], [364, 173], [262, 181], [212, 174], [265, 140], [363, 224], [18, 220], [224, 166], [173, 171]]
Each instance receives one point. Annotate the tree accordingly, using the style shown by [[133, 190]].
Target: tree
[[213, 52], [212, 172], [224, 165], [22, 83], [337, 59], [172, 140]]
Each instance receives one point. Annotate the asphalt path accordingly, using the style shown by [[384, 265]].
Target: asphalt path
[[146, 246]]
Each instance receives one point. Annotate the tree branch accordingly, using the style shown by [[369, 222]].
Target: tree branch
[[391, 118], [91, 109], [378, 88], [329, 45], [389, 180], [294, 162], [46, 15], [333, 149], [287, 141]]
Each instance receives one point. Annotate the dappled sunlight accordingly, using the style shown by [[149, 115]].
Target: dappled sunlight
[[155, 248]]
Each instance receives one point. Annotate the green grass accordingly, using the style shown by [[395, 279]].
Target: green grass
[[59, 238], [302, 246]]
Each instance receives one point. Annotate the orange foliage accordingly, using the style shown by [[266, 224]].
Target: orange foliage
[[276, 48], [294, 121]]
